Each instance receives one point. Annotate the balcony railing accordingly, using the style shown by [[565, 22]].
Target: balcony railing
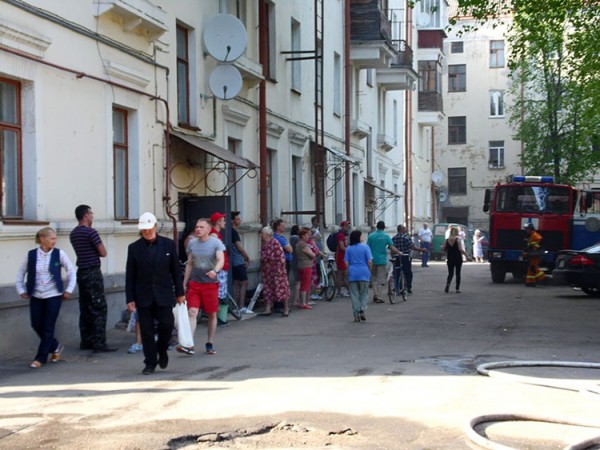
[[431, 101]]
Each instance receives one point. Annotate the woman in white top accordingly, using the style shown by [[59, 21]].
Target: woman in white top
[[39, 280]]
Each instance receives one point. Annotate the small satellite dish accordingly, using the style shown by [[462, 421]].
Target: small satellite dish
[[443, 197], [225, 82], [436, 177], [225, 38], [423, 19]]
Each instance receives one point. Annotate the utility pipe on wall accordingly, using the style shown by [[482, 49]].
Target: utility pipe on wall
[[262, 111]]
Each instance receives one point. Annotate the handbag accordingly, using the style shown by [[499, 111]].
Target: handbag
[[182, 323]]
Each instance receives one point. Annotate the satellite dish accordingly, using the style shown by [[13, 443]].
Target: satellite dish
[[443, 197], [225, 82], [225, 38], [423, 19], [436, 177]]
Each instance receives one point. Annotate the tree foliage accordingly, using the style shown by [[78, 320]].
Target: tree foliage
[[555, 66]]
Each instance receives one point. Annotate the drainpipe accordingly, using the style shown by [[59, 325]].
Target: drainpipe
[[262, 111], [433, 196], [347, 39], [79, 74]]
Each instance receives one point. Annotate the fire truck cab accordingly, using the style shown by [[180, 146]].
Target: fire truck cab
[[537, 200]]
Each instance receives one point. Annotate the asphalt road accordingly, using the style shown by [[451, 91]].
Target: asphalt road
[[404, 379]]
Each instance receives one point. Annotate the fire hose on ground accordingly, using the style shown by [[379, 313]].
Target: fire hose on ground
[[491, 370]]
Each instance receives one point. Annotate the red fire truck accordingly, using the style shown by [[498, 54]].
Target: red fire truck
[[548, 206]]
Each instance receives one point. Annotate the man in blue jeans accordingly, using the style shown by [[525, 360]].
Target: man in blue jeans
[[425, 237]]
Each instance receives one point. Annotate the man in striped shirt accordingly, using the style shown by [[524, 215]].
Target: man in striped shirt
[[92, 303]]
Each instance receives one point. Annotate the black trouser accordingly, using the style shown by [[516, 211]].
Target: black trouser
[[92, 308], [454, 266], [163, 315], [407, 269]]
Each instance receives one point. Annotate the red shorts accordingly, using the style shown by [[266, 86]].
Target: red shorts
[[305, 275], [203, 295]]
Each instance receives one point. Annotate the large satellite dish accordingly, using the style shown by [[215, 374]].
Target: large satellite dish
[[225, 38], [225, 82], [436, 177], [423, 19]]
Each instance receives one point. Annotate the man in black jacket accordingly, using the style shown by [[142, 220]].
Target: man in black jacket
[[152, 276]]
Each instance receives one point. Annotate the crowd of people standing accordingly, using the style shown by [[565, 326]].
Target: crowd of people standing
[[291, 274]]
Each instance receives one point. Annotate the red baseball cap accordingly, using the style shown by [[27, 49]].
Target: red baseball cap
[[216, 217], [344, 223]]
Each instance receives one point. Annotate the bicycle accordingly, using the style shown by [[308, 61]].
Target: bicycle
[[396, 280], [327, 276]]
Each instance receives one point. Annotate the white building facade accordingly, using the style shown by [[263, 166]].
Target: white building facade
[[109, 103]]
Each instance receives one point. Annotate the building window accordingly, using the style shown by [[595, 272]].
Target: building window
[[235, 7], [337, 84], [457, 130], [11, 187], [120, 166], [496, 54], [233, 145], [496, 160], [338, 196], [296, 183], [271, 60], [429, 76], [457, 47], [496, 104], [319, 68], [296, 44], [183, 81], [457, 78], [457, 181]]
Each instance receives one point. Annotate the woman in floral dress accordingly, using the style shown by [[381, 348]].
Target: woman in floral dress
[[276, 287]]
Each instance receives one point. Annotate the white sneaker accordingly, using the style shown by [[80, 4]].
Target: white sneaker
[[315, 297], [243, 310], [311, 303]]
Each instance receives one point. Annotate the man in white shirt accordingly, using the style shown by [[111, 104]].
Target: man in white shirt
[[425, 237]]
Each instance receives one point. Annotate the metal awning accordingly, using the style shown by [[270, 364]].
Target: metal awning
[[342, 156], [214, 149], [381, 188]]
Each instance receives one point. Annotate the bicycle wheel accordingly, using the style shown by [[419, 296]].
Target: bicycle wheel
[[402, 286], [329, 288], [392, 291], [234, 309]]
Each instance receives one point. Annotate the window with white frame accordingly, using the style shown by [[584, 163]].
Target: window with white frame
[[296, 47], [496, 54], [355, 208], [120, 163], [183, 76], [496, 160], [338, 197], [337, 84], [271, 61], [11, 183], [271, 171], [496, 103], [457, 78]]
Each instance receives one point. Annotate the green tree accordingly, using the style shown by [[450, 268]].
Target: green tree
[[555, 67]]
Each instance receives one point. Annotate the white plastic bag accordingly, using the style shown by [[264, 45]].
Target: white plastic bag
[[182, 323]]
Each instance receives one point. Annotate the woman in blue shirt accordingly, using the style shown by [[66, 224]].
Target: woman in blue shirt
[[360, 263]]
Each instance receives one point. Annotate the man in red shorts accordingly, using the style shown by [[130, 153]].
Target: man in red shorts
[[342, 266], [201, 280]]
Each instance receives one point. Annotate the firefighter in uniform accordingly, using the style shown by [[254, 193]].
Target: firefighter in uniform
[[534, 256]]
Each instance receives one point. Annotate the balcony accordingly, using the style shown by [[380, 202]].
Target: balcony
[[400, 75], [359, 129], [385, 142], [137, 16], [370, 35], [430, 108]]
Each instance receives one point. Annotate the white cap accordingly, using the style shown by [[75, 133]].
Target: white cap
[[147, 221]]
